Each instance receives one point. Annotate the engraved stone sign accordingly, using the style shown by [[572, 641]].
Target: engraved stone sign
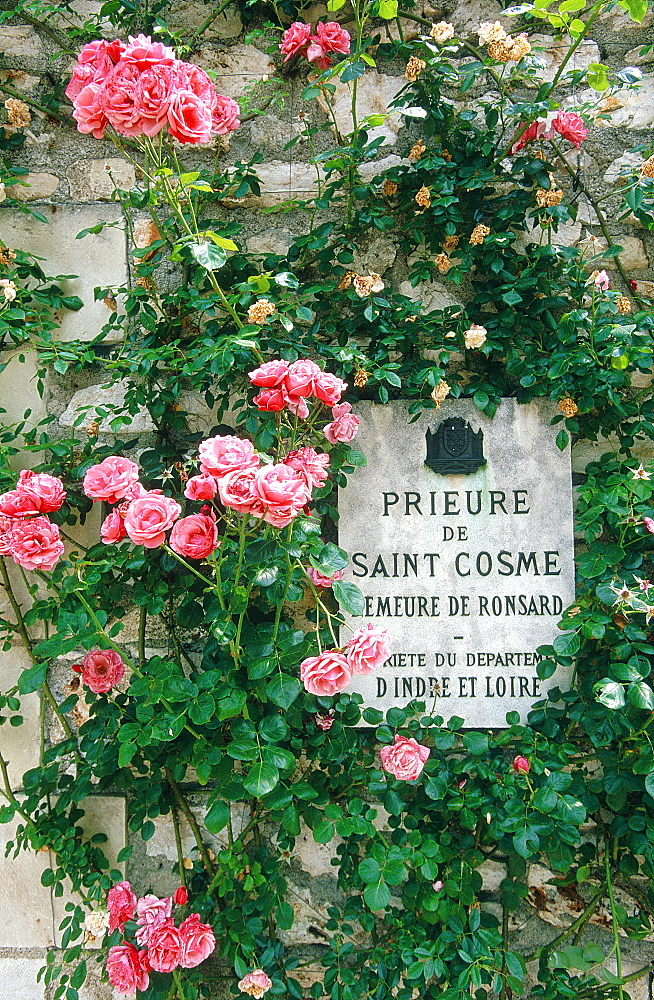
[[459, 532]]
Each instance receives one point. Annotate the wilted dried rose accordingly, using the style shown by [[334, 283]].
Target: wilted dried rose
[[416, 151], [491, 32], [260, 311], [389, 188], [18, 113], [567, 406], [414, 68], [423, 197], [479, 234], [441, 392], [624, 305], [442, 262], [546, 199], [442, 32]]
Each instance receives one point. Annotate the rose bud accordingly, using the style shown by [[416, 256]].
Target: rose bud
[[180, 896], [521, 765]]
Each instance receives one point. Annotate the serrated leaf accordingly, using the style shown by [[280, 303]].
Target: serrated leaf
[[377, 895], [349, 597], [641, 695], [283, 690], [261, 779]]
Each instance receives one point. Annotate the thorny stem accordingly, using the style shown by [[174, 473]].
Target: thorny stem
[[192, 822], [143, 618], [199, 31], [46, 29], [614, 922], [178, 845]]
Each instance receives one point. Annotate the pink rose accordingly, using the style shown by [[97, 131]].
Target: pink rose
[[319, 580], [279, 486], [6, 536], [88, 111], [94, 63], [332, 37], [602, 280], [301, 377], [269, 374], [151, 912], [235, 490], [152, 95], [570, 126], [295, 40], [117, 98], [144, 53], [149, 517], [198, 941], [47, 490], [102, 669], [111, 480], [194, 537], [326, 674], [405, 759], [112, 529], [17, 503], [255, 984], [521, 765], [279, 517], [311, 464], [225, 115], [329, 388], [649, 524], [82, 76], [189, 118], [165, 947], [368, 648], [316, 53], [223, 454], [180, 896], [344, 426], [121, 903], [298, 406], [202, 487], [35, 544], [127, 969], [536, 130], [188, 76], [271, 399]]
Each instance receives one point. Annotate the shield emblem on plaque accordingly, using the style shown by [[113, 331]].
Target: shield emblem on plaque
[[455, 447], [455, 437]]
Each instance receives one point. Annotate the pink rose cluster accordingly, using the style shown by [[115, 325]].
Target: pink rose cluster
[[567, 123], [141, 88], [288, 386], [298, 40], [162, 945], [30, 538], [330, 672]]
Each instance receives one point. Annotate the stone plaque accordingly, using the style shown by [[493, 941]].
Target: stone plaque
[[460, 537]]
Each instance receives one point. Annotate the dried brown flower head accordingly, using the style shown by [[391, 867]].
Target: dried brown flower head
[[416, 151], [491, 32], [440, 393], [500, 50], [92, 429], [111, 303], [360, 378], [366, 284], [423, 197], [442, 262], [7, 256], [147, 283], [520, 48], [479, 234], [567, 406], [18, 113], [546, 199], [647, 168], [450, 243], [414, 68], [624, 305], [346, 281], [260, 311], [442, 32], [389, 188], [447, 156]]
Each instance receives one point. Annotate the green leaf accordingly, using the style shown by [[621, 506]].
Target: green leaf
[[526, 842], [649, 783], [567, 644], [609, 693], [31, 680], [349, 597], [220, 241], [323, 832], [370, 870], [377, 896], [283, 690], [208, 256], [641, 695], [635, 8], [261, 779], [598, 77], [218, 817], [202, 707], [475, 743], [388, 9]]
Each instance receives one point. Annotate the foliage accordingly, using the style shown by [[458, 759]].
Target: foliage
[[223, 701]]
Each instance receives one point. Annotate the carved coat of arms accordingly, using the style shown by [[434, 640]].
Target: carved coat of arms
[[455, 447]]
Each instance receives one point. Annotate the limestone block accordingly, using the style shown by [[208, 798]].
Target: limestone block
[[200, 418], [376, 167], [103, 403], [240, 67], [566, 235], [618, 20], [162, 842], [98, 259], [645, 289], [18, 979], [19, 745], [467, 16], [633, 256], [20, 41], [377, 257], [25, 916], [269, 241], [552, 52], [19, 394], [375, 91], [280, 182], [95, 180], [19, 80], [627, 108], [311, 918], [188, 17], [431, 294], [623, 164], [315, 858], [639, 56], [102, 814], [35, 187]]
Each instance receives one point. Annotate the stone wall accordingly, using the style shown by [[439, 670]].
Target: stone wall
[[70, 181]]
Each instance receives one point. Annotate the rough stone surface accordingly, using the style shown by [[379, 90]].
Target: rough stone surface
[[375, 167], [188, 17], [20, 41], [375, 91], [269, 241], [628, 108], [640, 55], [621, 165], [281, 181], [315, 858], [633, 256], [103, 403], [26, 918], [239, 68], [553, 51], [20, 745], [39, 186], [98, 259], [19, 80], [95, 180], [378, 256], [431, 294], [162, 842], [466, 17], [645, 289], [19, 394], [18, 978]]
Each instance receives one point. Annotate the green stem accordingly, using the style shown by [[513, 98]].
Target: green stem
[[581, 921], [575, 45], [178, 846], [143, 618], [192, 822], [614, 922], [178, 984]]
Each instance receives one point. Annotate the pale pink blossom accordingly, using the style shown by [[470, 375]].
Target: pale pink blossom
[[601, 280], [17, 503], [344, 426], [325, 674], [269, 374], [329, 388], [368, 648], [194, 536], [150, 913], [649, 524], [235, 490], [111, 479], [202, 487], [280, 487], [405, 759], [5, 535], [149, 517], [225, 115], [332, 37], [222, 454], [121, 903], [36, 544], [313, 465], [127, 969], [320, 580], [255, 984], [48, 491], [144, 53], [88, 111], [198, 941]]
